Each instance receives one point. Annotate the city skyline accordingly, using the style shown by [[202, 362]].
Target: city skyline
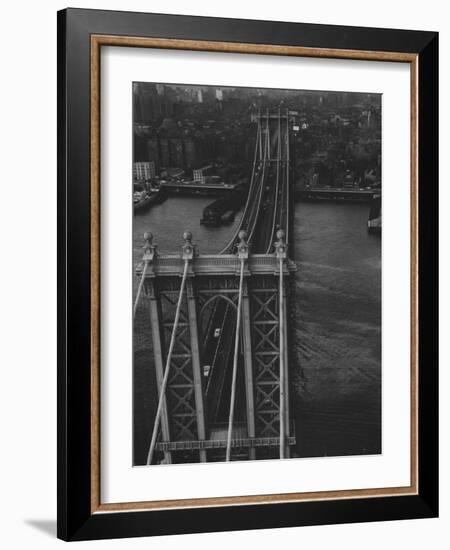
[[174, 129]]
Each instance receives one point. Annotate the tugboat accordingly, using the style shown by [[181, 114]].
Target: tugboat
[[222, 210], [144, 199], [374, 221]]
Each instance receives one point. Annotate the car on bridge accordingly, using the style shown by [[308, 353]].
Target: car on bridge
[[206, 369]]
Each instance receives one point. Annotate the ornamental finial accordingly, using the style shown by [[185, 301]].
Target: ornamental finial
[[149, 247], [280, 235], [242, 246], [189, 249], [280, 245]]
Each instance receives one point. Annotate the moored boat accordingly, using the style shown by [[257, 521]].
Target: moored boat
[[374, 221], [144, 199]]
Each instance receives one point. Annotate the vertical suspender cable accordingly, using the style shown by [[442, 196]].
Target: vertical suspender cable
[[282, 373], [235, 360], [162, 392]]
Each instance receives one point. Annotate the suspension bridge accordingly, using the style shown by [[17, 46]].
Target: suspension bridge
[[219, 325]]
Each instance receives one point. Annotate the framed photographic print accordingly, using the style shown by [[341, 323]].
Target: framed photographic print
[[247, 274]]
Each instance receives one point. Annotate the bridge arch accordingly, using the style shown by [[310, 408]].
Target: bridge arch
[[214, 298]]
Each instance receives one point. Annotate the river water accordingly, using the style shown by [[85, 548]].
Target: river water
[[338, 331], [336, 381]]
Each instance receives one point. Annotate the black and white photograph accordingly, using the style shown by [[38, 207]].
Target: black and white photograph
[[225, 289], [257, 273]]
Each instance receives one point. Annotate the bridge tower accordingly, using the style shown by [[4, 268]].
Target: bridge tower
[[195, 400], [220, 331]]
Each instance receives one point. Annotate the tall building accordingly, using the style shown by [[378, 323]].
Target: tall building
[[201, 173], [143, 170], [149, 103]]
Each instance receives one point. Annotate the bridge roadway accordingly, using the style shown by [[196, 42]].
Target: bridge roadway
[[266, 211]]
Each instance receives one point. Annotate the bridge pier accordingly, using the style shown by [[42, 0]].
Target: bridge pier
[[196, 367], [248, 364], [159, 367], [155, 319], [286, 390]]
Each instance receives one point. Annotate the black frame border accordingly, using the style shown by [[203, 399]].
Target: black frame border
[[75, 521]]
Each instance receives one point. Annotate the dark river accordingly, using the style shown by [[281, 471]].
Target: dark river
[[336, 380]]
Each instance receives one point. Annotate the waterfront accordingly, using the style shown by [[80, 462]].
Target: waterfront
[[336, 381]]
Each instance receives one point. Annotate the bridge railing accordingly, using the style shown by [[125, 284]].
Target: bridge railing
[[226, 264]]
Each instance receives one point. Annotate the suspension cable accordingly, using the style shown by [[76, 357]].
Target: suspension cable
[[277, 185], [257, 203], [282, 372], [252, 185], [162, 392], [235, 361], [139, 290], [287, 177]]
